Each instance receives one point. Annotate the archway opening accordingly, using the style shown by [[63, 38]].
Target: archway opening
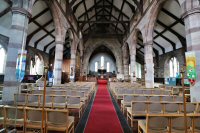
[[102, 58], [169, 40]]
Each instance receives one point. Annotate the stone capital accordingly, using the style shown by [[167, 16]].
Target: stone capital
[[21, 11], [190, 12]]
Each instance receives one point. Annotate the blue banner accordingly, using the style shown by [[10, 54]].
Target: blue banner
[[21, 65]]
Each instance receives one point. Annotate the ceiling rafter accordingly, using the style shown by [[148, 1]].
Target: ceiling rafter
[[180, 37], [9, 2], [46, 46], [118, 10], [90, 18], [120, 13], [110, 13], [131, 6], [38, 15], [40, 39], [5, 11], [167, 39], [95, 2], [76, 6], [124, 26], [163, 49], [41, 27], [72, 3], [88, 10], [29, 37], [173, 16]]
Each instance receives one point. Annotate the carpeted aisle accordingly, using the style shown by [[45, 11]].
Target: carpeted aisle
[[103, 117]]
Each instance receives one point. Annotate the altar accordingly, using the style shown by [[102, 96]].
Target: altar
[[102, 73]]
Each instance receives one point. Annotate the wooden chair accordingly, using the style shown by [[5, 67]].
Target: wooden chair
[[20, 99], [74, 103], [48, 103], [59, 120], [59, 101], [136, 109], [126, 102], [153, 124], [177, 125], [14, 117], [33, 100], [171, 108], [196, 124], [155, 108], [33, 119]]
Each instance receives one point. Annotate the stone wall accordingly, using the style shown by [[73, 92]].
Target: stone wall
[[31, 52], [162, 68]]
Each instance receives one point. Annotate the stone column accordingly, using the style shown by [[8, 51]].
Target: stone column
[[57, 72], [133, 67], [192, 26], [149, 66], [73, 61], [17, 41], [126, 63]]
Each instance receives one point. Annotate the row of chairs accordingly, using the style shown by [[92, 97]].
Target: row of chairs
[[169, 124], [127, 99], [52, 101], [123, 91], [141, 109], [31, 119]]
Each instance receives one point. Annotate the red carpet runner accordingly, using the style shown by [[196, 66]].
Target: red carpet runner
[[103, 117]]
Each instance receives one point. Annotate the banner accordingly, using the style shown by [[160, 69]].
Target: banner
[[193, 69], [21, 65]]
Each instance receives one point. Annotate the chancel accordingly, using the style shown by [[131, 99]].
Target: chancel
[[100, 66]]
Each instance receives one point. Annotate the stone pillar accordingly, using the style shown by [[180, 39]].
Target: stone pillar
[[126, 63], [17, 41], [57, 72], [73, 61], [149, 66], [192, 26], [133, 62]]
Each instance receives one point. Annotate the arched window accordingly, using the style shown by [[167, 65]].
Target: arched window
[[108, 67], [138, 70], [173, 67], [37, 65], [2, 59], [96, 66], [102, 62]]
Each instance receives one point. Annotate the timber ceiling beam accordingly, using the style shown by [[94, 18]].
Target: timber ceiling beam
[[167, 39], [46, 46], [117, 9], [5, 11], [29, 37], [124, 26], [9, 2], [121, 11], [87, 12], [180, 37], [40, 39], [163, 49], [38, 15], [43, 28]]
